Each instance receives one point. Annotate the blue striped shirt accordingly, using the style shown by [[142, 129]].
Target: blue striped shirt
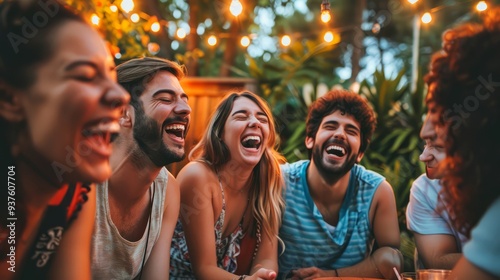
[[308, 239]]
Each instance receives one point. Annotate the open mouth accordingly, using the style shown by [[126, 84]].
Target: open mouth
[[251, 142], [176, 129], [104, 131], [336, 150]]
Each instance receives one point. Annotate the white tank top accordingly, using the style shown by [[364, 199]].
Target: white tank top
[[114, 257]]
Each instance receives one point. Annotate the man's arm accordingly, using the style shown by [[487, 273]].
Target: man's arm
[[434, 239], [384, 257], [384, 217], [465, 270], [157, 266], [437, 250]]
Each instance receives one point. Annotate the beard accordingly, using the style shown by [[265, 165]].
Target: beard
[[149, 136], [332, 172]]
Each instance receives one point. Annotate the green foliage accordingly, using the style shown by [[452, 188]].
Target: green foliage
[[395, 149]]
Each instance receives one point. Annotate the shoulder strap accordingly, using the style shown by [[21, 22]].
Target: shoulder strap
[[55, 219]]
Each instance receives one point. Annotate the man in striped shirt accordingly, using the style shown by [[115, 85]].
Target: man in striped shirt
[[336, 209]]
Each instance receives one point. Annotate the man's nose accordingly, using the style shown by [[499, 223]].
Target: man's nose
[[426, 155], [182, 108]]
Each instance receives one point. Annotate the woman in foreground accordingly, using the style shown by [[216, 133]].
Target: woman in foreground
[[59, 110]]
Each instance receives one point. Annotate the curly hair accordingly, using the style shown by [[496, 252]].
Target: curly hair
[[267, 202], [464, 83], [347, 102]]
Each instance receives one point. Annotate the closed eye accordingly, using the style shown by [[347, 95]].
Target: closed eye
[[263, 120]]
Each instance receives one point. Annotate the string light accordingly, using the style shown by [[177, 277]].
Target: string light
[[328, 37], [155, 26], [134, 18], [95, 19], [235, 8], [181, 33], [481, 6], [286, 40], [245, 41], [127, 5], [212, 40], [426, 18], [325, 11], [153, 48]]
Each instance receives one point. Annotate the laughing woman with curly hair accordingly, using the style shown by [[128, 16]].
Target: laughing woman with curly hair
[[464, 84]]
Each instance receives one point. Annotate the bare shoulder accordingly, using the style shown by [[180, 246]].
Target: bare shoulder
[[384, 192], [194, 169], [197, 177], [383, 197]]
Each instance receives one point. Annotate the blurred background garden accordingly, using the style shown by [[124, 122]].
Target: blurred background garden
[[293, 51]]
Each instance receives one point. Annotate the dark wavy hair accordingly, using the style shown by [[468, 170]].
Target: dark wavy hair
[[26, 41], [347, 102], [464, 83]]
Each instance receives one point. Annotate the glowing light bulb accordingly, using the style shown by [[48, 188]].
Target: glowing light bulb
[[326, 16], [181, 33], [95, 19], [413, 1], [481, 6], [134, 17], [153, 48], [245, 41], [113, 8], [235, 8], [286, 40], [212, 40], [328, 37], [426, 18], [127, 5], [155, 27]]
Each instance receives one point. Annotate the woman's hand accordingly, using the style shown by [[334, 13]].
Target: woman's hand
[[263, 274]]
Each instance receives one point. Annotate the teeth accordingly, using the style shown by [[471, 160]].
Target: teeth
[[103, 127], [175, 127], [251, 137], [334, 147]]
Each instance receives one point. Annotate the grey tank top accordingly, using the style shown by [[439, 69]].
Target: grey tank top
[[114, 257]]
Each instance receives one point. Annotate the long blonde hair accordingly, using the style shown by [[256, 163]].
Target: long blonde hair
[[267, 182]]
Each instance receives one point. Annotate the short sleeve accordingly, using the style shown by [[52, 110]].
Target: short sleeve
[[483, 249], [422, 215]]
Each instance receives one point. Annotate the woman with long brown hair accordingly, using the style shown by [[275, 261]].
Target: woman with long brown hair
[[231, 201]]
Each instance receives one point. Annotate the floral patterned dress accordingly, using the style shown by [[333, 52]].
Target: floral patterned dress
[[228, 249]]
